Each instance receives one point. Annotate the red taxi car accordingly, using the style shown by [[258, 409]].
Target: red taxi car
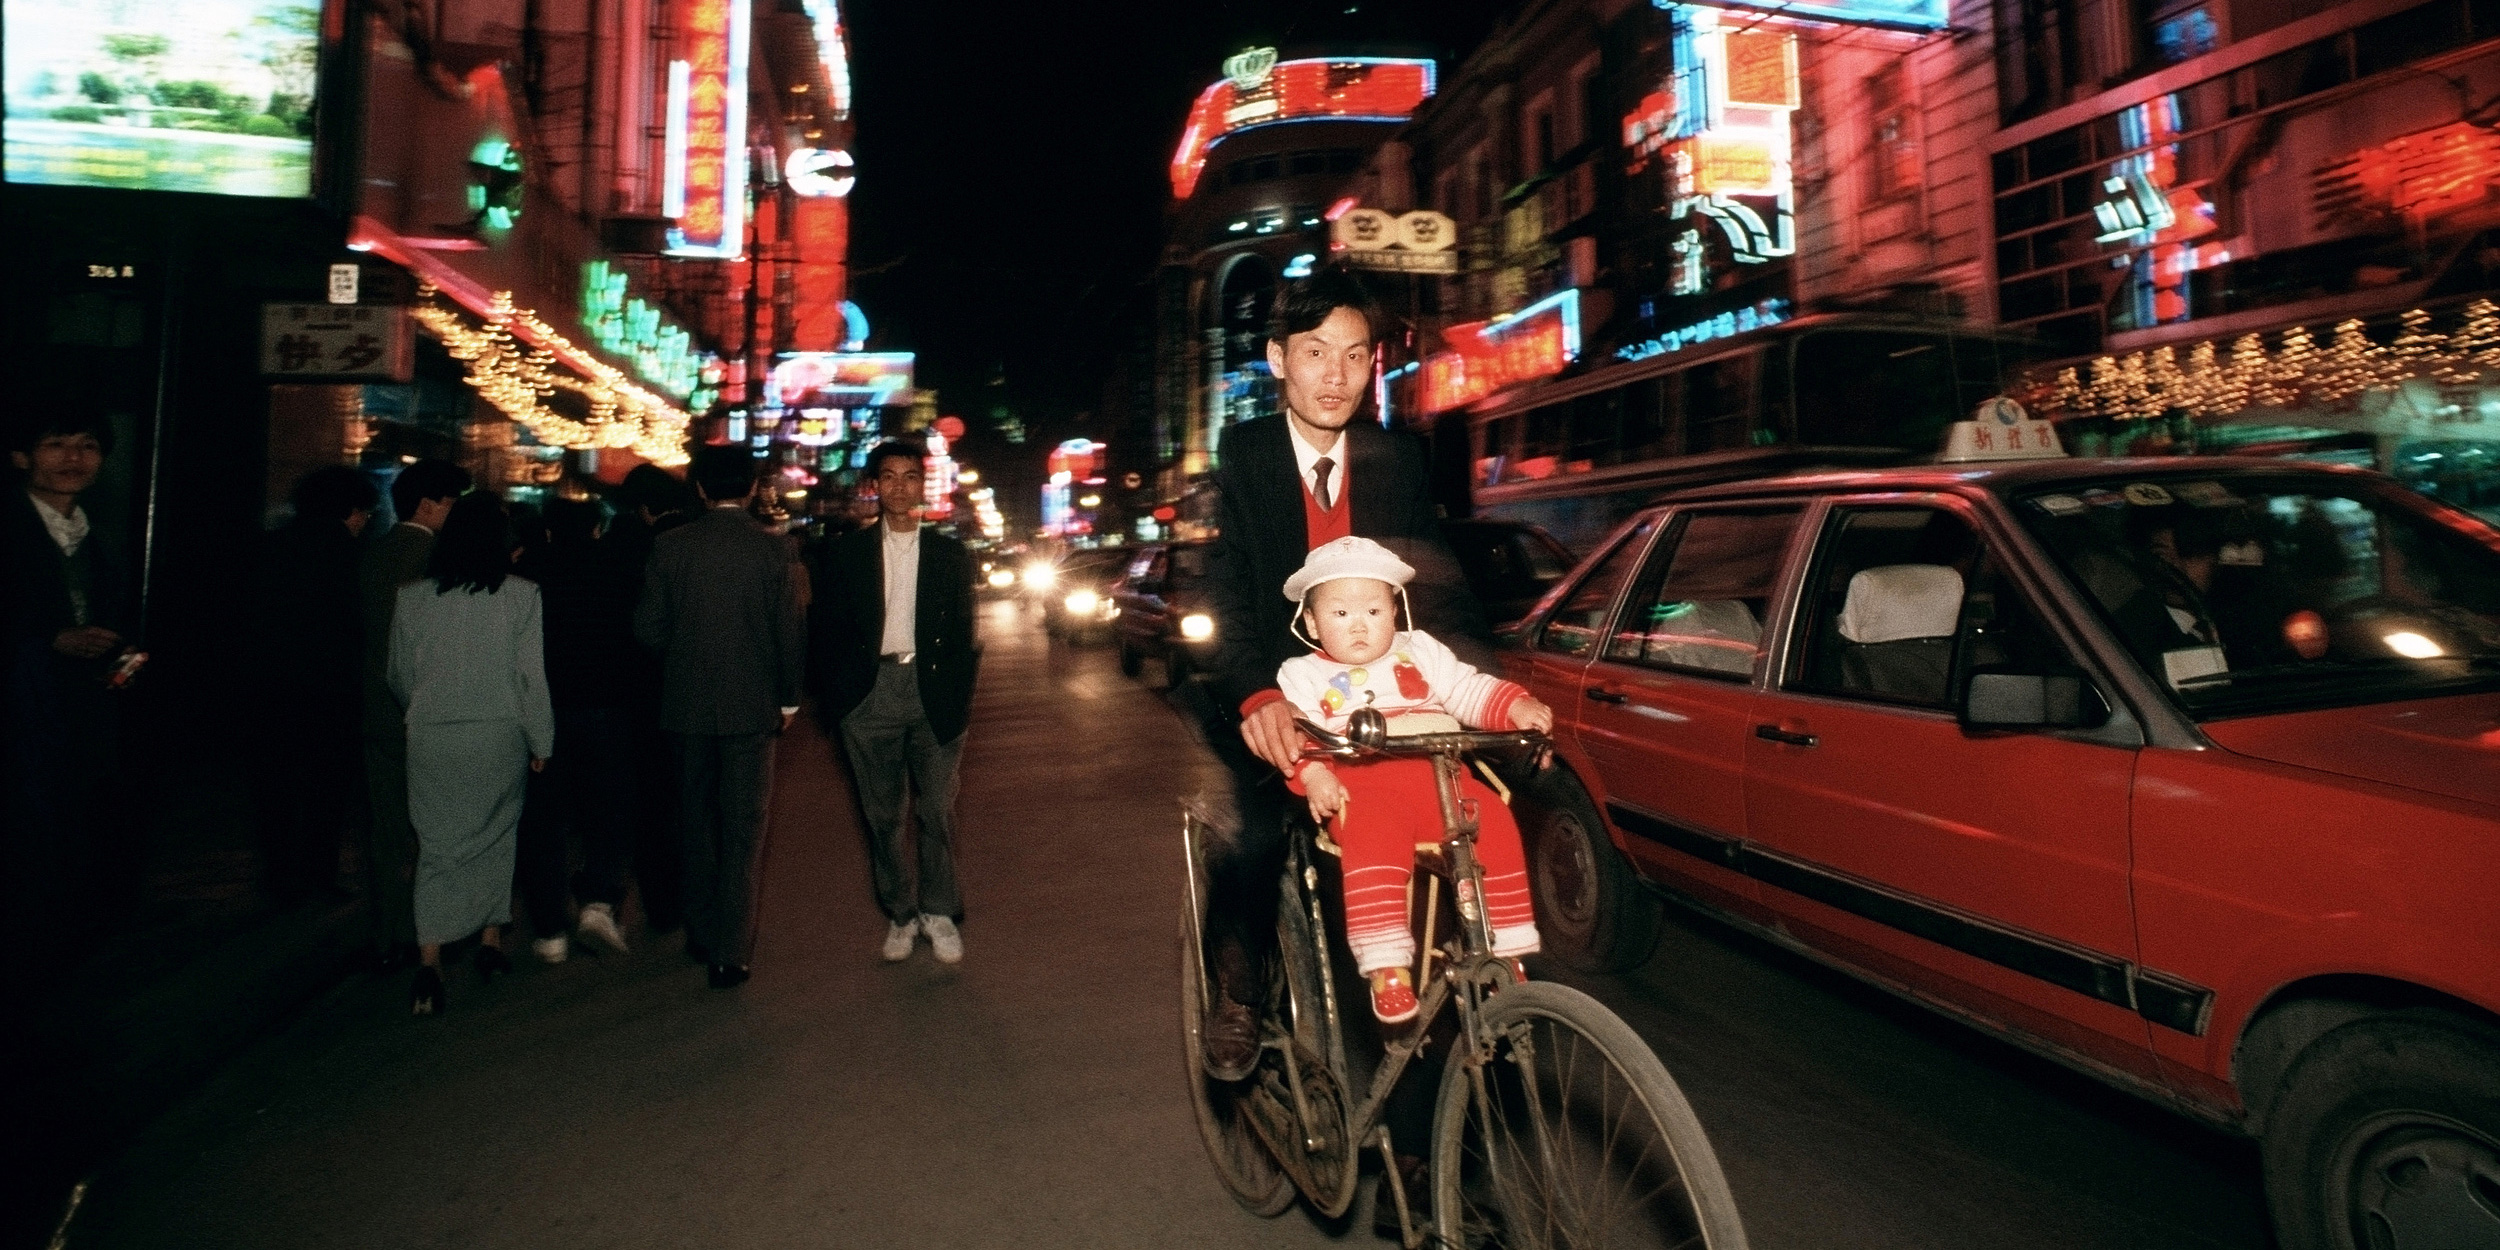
[[2183, 772]]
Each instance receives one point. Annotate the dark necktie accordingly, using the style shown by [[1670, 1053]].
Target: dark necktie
[[1319, 477]]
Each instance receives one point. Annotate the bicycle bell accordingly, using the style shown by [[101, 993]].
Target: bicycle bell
[[1367, 728]]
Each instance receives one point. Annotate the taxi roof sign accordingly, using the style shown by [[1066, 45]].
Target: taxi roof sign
[[2000, 430]]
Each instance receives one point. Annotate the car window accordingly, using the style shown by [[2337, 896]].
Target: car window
[[1574, 625], [1699, 605], [1904, 602], [1501, 562], [1145, 562], [1189, 563], [2261, 592]]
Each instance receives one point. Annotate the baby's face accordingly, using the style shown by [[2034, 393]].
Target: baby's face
[[1355, 617]]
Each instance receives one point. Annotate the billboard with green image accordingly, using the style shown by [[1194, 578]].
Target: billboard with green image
[[210, 96]]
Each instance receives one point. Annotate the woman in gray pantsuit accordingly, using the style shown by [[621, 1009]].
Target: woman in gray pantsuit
[[466, 663]]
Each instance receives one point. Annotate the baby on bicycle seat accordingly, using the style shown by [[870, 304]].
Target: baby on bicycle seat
[[1379, 810]]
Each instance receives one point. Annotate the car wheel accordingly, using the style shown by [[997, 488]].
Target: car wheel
[[2387, 1135], [1591, 908], [1131, 663], [1175, 668]]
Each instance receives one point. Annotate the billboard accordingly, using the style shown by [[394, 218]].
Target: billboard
[[840, 379], [209, 96]]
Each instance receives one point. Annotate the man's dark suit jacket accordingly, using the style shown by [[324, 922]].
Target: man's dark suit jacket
[[721, 607], [390, 562], [39, 606], [850, 623], [1262, 539]]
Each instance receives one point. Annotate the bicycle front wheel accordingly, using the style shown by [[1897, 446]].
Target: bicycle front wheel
[[1563, 1129]]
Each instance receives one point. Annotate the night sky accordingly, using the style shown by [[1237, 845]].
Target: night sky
[[1012, 158]]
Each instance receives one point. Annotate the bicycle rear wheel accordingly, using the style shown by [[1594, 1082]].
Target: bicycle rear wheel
[[1241, 1160], [1567, 1131]]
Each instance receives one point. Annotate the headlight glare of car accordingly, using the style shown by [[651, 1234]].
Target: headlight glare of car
[[1000, 579], [1039, 576], [1197, 627], [1082, 603]]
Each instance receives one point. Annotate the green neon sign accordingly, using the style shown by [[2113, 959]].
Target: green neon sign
[[662, 352], [495, 193]]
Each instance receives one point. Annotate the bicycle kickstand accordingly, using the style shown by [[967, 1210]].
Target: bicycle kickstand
[[1410, 1231]]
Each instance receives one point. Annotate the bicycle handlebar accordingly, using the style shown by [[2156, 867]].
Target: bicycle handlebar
[[1367, 733]]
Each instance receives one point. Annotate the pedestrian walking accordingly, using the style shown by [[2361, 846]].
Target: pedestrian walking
[[421, 496], [310, 653], [648, 503], [588, 788], [69, 617], [894, 636], [718, 605], [467, 661]]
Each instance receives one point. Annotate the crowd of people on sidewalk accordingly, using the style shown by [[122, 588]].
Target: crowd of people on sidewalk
[[567, 703]]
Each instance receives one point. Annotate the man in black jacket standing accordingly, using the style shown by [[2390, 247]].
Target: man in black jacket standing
[[721, 607], [894, 646], [1288, 483], [310, 644]]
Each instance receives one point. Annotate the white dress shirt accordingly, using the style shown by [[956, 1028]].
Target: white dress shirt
[[1305, 457], [902, 591], [69, 533]]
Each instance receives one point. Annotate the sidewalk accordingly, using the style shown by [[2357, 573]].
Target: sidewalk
[[201, 967]]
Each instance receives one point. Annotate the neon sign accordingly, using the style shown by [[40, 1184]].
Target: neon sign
[[495, 195], [840, 379], [1769, 312], [704, 183], [1907, 14], [663, 353], [820, 173], [1722, 127], [1356, 88], [826, 17], [2427, 174], [1539, 341]]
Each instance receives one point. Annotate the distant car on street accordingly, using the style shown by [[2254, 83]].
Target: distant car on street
[[1508, 564], [2183, 772], [1162, 612], [1080, 606]]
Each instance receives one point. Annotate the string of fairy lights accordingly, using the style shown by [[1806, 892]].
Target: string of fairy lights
[[2209, 381], [511, 360]]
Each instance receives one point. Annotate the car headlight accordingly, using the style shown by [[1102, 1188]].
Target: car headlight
[[1000, 579], [1082, 603], [1197, 627], [1040, 576]]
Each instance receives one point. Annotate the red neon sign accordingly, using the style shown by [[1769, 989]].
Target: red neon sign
[[1352, 88], [707, 131], [1489, 357]]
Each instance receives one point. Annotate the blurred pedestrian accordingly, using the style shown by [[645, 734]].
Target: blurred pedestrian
[[588, 787], [421, 496], [467, 661], [651, 502], [69, 614], [896, 661], [310, 652], [718, 605]]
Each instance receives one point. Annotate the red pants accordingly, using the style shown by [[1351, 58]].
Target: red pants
[[1391, 806]]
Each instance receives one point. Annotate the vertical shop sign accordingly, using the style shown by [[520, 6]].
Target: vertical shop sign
[[706, 132]]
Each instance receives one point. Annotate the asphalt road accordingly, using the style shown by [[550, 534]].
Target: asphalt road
[[1030, 1096]]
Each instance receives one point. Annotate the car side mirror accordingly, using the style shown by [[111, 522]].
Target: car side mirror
[[2032, 701]]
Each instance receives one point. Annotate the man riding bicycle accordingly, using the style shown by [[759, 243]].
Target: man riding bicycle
[[1291, 482]]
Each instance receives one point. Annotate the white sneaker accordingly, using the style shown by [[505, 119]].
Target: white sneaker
[[599, 921], [553, 949], [943, 940], [898, 940]]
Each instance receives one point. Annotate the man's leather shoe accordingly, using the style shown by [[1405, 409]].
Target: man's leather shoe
[[729, 976], [1228, 1045]]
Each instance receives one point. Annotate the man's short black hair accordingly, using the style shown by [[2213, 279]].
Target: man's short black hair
[[573, 521], [723, 473], [423, 480], [1303, 304], [651, 487], [332, 494], [53, 417], [895, 449]]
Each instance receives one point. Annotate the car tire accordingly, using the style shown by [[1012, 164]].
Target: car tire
[[1175, 668], [1131, 663], [2387, 1134], [1591, 909]]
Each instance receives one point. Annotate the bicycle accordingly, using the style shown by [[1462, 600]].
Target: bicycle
[[1554, 1124]]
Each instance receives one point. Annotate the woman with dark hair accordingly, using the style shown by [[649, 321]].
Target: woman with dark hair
[[467, 662]]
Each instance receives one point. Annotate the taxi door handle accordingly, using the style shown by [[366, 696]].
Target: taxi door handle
[[1602, 695], [1773, 733]]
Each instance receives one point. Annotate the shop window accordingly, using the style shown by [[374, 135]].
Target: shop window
[[1892, 131], [1718, 403], [1596, 431], [1650, 425], [2179, 34], [1307, 163]]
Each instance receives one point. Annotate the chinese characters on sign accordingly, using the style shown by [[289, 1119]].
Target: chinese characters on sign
[[335, 342], [1380, 89], [1418, 242], [706, 177], [1539, 341]]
